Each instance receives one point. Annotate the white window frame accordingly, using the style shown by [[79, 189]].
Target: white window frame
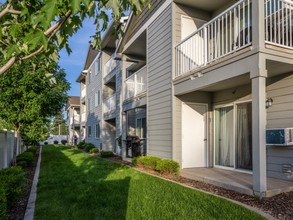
[[98, 65], [97, 98], [99, 134]]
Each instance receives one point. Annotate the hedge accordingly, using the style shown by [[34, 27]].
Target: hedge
[[105, 154], [27, 156], [157, 164], [13, 180], [3, 202]]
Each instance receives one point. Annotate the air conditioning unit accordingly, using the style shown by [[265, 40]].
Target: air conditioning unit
[[279, 136]]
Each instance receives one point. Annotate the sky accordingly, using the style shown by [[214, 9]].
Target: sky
[[74, 63]]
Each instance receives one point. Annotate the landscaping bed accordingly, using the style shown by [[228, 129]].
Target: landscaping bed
[[279, 206], [17, 212]]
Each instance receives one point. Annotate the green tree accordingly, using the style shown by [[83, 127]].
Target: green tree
[[30, 27], [58, 120], [28, 100]]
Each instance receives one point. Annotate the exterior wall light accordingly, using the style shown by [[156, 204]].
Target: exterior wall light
[[269, 102]]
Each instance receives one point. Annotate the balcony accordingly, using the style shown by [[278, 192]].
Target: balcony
[[111, 65], [83, 117], [83, 93], [136, 84], [110, 106], [231, 31], [75, 120]]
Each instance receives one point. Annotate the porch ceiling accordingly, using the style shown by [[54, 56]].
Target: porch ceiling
[[229, 83], [277, 68], [138, 47], [207, 5]]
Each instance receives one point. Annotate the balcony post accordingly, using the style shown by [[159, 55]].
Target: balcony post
[[258, 24], [122, 114], [258, 78]]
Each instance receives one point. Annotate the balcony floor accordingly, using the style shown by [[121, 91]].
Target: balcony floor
[[234, 180]]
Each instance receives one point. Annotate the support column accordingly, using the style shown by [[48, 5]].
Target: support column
[[124, 129], [258, 37], [258, 132]]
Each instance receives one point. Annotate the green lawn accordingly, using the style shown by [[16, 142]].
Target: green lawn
[[75, 185]]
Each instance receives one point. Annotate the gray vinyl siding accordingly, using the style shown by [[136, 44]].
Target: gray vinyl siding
[[280, 115], [159, 64], [145, 15], [94, 114], [118, 106]]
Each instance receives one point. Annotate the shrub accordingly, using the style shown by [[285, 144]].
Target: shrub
[[148, 162], [63, 142], [28, 157], [22, 164], [167, 166], [88, 147], [13, 180], [81, 145], [94, 150], [105, 154], [32, 149], [3, 202], [46, 143], [56, 142]]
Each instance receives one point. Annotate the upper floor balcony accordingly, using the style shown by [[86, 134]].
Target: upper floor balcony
[[110, 106], [136, 84], [83, 118], [232, 31], [83, 93], [75, 120], [109, 68]]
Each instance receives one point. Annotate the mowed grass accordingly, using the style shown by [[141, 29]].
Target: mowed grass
[[75, 185]]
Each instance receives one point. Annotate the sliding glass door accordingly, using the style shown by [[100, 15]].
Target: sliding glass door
[[244, 136], [224, 149], [233, 136]]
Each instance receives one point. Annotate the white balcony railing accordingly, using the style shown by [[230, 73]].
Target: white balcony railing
[[279, 22], [83, 117], [136, 83], [231, 31], [75, 120], [110, 104], [110, 65], [223, 35], [83, 93]]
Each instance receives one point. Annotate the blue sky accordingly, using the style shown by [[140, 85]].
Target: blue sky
[[73, 63]]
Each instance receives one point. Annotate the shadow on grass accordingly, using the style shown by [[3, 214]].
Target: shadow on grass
[[74, 185]]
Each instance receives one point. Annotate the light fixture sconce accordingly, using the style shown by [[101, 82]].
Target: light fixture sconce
[[269, 102]]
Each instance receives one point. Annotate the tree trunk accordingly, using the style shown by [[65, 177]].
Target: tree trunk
[[15, 146]]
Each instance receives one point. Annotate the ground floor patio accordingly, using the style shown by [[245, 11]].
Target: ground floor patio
[[238, 181]]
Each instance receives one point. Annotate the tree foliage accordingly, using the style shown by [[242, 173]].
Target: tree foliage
[[30, 27], [58, 120], [28, 100]]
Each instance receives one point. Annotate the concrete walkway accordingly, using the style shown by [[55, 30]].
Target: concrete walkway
[[233, 180], [30, 208]]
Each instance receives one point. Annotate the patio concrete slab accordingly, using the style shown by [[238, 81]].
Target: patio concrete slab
[[234, 180]]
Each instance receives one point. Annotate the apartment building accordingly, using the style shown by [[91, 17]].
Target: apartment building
[[73, 119], [201, 81]]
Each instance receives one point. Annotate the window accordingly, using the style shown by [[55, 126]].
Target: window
[[97, 98], [141, 127], [89, 131], [98, 131], [98, 66]]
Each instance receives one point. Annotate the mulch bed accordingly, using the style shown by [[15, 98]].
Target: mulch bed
[[18, 210], [279, 206]]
